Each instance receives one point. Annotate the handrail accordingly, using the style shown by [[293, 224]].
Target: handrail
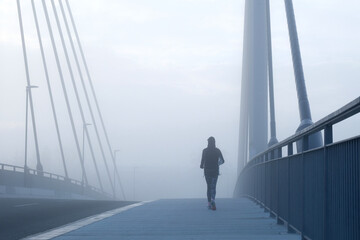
[[315, 191], [14, 168], [337, 116]]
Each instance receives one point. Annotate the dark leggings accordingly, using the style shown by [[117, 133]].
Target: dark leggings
[[211, 181]]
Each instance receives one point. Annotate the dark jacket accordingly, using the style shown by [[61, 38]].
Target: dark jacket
[[210, 160]]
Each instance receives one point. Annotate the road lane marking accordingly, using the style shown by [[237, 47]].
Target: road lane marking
[[25, 205], [56, 232]]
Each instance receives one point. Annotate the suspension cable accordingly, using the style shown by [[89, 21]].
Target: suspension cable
[[94, 94], [64, 90], [49, 88], [76, 91], [86, 93]]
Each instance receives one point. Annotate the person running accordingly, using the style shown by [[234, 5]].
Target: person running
[[210, 161]]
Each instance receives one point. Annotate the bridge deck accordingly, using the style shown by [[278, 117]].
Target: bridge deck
[[186, 219]]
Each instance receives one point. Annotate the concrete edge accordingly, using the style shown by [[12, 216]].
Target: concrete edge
[[56, 232]]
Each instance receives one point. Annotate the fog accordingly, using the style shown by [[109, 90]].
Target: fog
[[167, 76]]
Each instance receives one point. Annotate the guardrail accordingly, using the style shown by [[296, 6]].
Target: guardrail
[[20, 177], [315, 192]]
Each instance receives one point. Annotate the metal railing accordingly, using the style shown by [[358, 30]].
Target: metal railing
[[28, 173], [315, 192]]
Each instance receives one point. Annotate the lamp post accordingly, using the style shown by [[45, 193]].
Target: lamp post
[[115, 151], [83, 148], [28, 88]]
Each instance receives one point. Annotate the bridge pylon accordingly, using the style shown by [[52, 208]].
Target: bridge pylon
[[253, 135], [315, 140], [257, 79]]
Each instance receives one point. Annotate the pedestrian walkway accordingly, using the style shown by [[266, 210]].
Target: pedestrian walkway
[[186, 219]]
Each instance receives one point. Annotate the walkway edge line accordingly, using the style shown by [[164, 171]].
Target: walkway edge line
[[56, 232]]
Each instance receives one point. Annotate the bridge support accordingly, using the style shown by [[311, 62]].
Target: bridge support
[[315, 140], [273, 140], [254, 96]]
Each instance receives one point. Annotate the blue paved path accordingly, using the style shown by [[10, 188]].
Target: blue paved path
[[186, 219]]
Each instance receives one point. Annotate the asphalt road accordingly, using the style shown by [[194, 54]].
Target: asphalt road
[[20, 218]]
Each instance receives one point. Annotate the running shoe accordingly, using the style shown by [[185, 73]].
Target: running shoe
[[213, 205]]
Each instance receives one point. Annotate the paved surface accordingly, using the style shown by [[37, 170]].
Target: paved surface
[[186, 219], [23, 217]]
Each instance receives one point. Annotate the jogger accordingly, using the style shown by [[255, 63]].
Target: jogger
[[210, 161]]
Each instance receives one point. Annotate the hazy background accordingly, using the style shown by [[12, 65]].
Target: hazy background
[[168, 76]]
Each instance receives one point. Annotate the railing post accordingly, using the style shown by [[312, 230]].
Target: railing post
[[270, 190], [328, 139], [262, 180], [290, 153], [265, 181], [328, 134], [305, 143], [279, 155], [305, 147], [279, 152]]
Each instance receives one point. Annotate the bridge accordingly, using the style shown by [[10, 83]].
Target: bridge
[[306, 186]]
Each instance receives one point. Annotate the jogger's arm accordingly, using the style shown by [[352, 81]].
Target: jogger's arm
[[202, 160]]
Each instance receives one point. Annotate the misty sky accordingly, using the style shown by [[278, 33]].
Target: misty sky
[[168, 76]]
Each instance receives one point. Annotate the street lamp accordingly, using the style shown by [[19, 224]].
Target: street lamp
[[83, 148], [115, 151], [28, 88]]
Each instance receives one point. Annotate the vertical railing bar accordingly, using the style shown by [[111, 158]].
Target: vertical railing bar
[[305, 147], [264, 182], [357, 194], [270, 181], [278, 187], [328, 139], [290, 153]]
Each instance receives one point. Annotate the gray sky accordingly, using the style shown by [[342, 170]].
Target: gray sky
[[168, 76]]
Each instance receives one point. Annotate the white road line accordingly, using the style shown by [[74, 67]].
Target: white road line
[[25, 205], [80, 223]]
